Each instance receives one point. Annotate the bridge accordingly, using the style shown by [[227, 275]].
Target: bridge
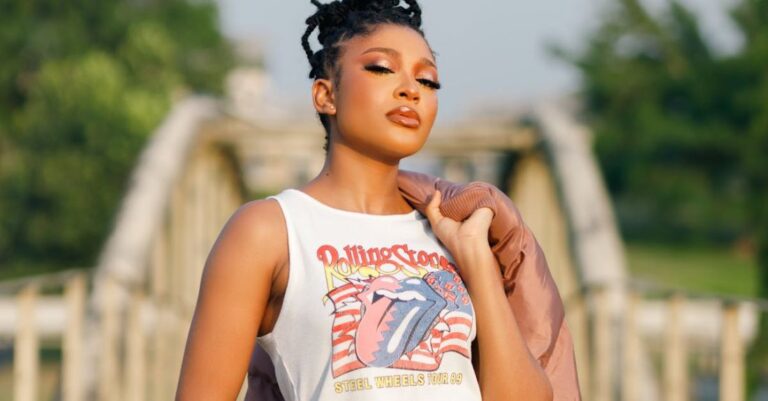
[[122, 325]]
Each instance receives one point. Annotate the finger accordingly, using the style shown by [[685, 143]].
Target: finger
[[433, 208], [482, 217]]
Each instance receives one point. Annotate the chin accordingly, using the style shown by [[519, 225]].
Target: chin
[[402, 149], [392, 143]]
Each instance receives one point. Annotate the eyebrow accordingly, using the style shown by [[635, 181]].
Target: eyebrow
[[395, 53]]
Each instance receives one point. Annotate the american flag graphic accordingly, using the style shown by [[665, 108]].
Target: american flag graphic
[[450, 331]]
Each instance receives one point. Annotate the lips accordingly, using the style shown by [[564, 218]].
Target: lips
[[396, 318], [404, 116]]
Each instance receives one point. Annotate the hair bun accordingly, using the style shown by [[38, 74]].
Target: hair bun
[[336, 11], [346, 18]]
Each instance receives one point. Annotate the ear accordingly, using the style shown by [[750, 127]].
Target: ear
[[323, 96]]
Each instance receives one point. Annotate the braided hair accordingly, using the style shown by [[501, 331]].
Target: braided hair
[[340, 20]]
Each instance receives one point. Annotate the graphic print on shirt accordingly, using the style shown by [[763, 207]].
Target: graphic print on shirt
[[394, 307]]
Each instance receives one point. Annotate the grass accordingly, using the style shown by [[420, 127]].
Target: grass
[[716, 271]]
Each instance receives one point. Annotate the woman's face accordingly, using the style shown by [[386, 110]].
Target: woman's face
[[382, 74]]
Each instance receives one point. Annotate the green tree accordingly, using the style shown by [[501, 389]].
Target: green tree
[[82, 84], [681, 132]]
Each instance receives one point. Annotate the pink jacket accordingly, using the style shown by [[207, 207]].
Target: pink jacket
[[528, 283]]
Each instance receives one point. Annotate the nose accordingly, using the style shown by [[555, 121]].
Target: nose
[[408, 89]]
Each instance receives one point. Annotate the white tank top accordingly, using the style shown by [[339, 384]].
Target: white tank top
[[373, 309]]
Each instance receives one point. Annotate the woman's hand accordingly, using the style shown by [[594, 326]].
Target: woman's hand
[[465, 239], [500, 342]]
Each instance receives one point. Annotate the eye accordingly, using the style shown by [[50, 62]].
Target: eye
[[431, 84], [377, 69]]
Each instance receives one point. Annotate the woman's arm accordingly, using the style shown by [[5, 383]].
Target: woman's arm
[[234, 294], [507, 369]]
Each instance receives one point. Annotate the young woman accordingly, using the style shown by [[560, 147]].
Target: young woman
[[352, 292]]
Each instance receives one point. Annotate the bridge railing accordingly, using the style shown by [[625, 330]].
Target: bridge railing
[[144, 342], [50, 307], [685, 331]]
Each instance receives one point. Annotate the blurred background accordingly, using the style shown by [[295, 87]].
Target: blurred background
[[632, 134]]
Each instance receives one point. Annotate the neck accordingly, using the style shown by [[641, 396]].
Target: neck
[[354, 181]]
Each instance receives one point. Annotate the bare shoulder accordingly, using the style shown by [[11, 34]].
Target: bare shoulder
[[254, 237], [242, 263], [257, 220]]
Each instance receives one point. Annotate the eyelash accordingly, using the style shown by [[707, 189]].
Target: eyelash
[[377, 69]]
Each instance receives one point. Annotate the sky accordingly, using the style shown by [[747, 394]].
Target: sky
[[491, 54]]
